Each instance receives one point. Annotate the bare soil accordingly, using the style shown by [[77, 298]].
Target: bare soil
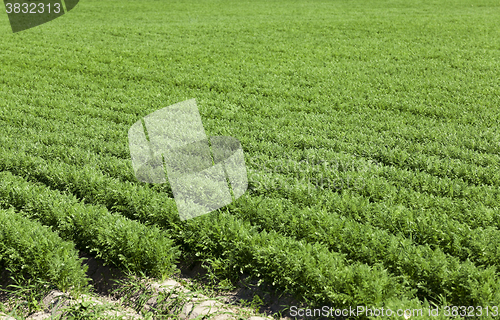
[[220, 305]]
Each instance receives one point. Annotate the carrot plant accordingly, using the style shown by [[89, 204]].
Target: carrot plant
[[29, 249]]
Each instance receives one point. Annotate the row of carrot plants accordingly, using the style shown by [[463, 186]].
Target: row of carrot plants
[[115, 239], [442, 190], [309, 270], [29, 249], [430, 270], [412, 269], [449, 231], [418, 238], [435, 227], [192, 236], [397, 149]]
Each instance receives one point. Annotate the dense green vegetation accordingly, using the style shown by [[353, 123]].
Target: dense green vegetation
[[370, 131], [115, 239], [30, 249]]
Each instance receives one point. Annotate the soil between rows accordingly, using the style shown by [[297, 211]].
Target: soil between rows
[[107, 280]]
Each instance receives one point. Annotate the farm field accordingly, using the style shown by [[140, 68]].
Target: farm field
[[370, 130]]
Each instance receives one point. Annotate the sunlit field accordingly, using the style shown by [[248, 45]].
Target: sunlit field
[[370, 130]]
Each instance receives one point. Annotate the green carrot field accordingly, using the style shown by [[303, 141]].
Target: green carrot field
[[370, 130]]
